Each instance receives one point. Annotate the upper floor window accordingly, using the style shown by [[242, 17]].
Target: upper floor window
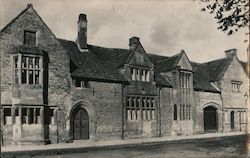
[[139, 74], [28, 70], [29, 38], [185, 80], [235, 86]]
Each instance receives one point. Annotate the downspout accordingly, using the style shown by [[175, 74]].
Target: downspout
[[159, 105], [222, 109], [123, 109]]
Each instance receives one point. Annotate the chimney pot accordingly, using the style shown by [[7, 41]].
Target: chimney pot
[[133, 42]]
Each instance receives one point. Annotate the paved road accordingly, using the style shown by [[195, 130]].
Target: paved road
[[227, 147]]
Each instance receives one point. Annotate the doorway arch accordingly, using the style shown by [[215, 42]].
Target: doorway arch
[[81, 124], [82, 119], [210, 119]]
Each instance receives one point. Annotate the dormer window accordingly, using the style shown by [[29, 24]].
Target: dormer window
[[29, 38], [235, 86], [140, 74]]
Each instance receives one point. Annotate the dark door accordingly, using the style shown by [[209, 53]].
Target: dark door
[[232, 119], [210, 119], [81, 125]]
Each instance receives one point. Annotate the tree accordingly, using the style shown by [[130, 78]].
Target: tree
[[231, 15]]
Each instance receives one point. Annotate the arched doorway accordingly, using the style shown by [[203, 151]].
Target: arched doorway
[[81, 125], [232, 119], [210, 119], [81, 121]]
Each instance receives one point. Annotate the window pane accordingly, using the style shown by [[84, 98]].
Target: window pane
[[29, 38], [24, 62], [16, 61], [31, 115], [36, 77], [24, 76], [31, 64], [16, 76], [37, 63], [31, 77]]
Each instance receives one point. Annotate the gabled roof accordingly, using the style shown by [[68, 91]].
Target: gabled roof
[[90, 65], [201, 78], [217, 68], [244, 65], [29, 6], [101, 63], [169, 63]]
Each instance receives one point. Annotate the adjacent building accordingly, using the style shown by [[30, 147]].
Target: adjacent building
[[55, 90]]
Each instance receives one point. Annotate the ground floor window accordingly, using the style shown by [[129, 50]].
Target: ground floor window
[[184, 112], [31, 115], [140, 108], [7, 116]]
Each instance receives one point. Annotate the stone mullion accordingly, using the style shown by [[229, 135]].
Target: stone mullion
[[20, 114], [42, 115], [19, 68]]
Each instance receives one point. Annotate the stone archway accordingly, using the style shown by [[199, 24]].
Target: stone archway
[[82, 119], [212, 118]]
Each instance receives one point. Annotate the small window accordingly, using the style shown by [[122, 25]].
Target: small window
[[7, 116], [51, 115], [29, 38], [175, 112]]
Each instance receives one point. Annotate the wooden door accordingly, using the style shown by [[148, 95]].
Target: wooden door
[[81, 125]]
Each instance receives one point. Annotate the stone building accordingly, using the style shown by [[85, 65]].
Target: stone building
[[54, 90]]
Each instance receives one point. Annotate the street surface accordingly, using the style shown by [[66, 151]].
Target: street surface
[[227, 147]]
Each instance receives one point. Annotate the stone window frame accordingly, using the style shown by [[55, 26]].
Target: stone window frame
[[7, 118], [242, 116], [235, 86], [33, 114], [185, 112], [19, 67], [139, 73], [146, 110], [185, 79], [29, 38]]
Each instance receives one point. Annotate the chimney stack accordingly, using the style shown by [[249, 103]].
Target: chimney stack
[[134, 42], [82, 31], [231, 53]]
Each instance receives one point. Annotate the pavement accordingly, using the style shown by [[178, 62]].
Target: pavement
[[87, 145]]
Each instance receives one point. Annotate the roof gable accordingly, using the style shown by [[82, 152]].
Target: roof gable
[[29, 10], [139, 57], [184, 62]]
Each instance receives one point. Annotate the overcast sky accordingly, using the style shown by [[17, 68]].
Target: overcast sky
[[165, 27]]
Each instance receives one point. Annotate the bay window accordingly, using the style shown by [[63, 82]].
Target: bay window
[[27, 69]]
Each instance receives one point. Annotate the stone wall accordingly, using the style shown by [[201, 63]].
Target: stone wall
[[201, 100], [56, 82]]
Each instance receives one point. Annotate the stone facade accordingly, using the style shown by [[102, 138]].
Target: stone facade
[[45, 86]]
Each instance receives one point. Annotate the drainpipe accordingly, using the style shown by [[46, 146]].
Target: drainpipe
[[1, 114], [123, 108], [222, 109], [159, 105]]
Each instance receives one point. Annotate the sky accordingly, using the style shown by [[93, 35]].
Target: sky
[[165, 27]]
